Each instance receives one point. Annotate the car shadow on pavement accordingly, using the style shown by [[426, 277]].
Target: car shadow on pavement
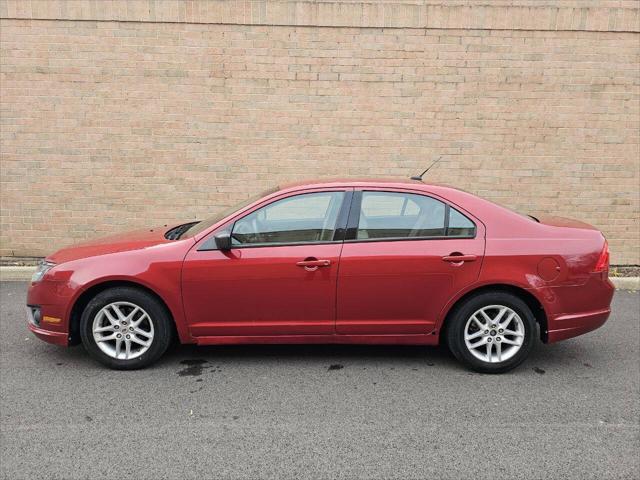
[[192, 358], [333, 357]]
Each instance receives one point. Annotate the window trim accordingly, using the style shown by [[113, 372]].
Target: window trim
[[354, 220], [339, 230]]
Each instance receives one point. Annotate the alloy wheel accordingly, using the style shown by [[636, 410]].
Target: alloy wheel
[[494, 333], [123, 330]]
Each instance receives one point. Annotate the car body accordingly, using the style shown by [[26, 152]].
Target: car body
[[389, 263]]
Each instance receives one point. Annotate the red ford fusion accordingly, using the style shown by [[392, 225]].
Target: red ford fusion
[[374, 262]]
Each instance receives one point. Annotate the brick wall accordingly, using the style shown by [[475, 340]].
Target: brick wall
[[123, 114]]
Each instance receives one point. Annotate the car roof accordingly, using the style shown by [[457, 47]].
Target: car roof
[[358, 182]]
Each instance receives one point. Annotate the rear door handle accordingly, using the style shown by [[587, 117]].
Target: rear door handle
[[313, 264], [459, 258]]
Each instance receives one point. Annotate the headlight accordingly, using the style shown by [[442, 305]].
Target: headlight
[[43, 267]]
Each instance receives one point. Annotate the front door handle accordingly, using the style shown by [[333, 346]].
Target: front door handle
[[459, 258], [312, 264]]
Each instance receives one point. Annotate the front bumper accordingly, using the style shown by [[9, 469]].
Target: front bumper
[[51, 299], [49, 336]]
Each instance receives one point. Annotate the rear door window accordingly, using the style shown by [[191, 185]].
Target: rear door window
[[399, 215], [396, 215]]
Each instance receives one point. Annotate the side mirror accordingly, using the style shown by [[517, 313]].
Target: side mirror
[[223, 240]]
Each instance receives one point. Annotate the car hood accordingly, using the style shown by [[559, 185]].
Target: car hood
[[133, 240]]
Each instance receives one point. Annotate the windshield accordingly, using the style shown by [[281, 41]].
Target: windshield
[[203, 225]]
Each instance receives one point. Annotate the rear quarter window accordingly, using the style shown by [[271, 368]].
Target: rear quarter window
[[460, 225]]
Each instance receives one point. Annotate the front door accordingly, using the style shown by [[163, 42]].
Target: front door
[[398, 266], [280, 276]]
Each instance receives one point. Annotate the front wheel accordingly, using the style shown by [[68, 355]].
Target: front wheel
[[492, 332], [125, 328]]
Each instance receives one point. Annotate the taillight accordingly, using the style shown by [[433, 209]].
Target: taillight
[[602, 264]]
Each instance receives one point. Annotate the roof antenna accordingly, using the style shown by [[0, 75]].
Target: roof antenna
[[419, 177]]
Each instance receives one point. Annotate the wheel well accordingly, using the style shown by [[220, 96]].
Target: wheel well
[[84, 299], [532, 302]]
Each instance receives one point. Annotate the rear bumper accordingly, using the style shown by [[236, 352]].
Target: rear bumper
[[49, 336], [568, 326], [575, 310]]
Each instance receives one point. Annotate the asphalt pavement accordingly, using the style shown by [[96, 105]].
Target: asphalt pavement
[[570, 411]]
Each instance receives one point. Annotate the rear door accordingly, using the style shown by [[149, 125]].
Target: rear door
[[405, 255]]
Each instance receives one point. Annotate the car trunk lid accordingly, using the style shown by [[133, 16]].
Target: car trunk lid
[[564, 222]]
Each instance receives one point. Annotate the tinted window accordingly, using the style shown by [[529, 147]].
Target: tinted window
[[303, 218], [459, 225], [398, 215]]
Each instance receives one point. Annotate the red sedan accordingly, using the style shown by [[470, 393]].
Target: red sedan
[[376, 262]]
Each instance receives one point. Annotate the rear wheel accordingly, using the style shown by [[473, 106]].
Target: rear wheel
[[125, 328], [492, 332]]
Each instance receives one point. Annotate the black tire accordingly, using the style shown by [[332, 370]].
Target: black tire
[[455, 331], [163, 330]]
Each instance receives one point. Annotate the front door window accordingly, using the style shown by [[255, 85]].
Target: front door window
[[306, 218]]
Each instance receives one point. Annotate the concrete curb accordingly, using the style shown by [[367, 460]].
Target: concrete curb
[[626, 283], [16, 274], [23, 274]]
